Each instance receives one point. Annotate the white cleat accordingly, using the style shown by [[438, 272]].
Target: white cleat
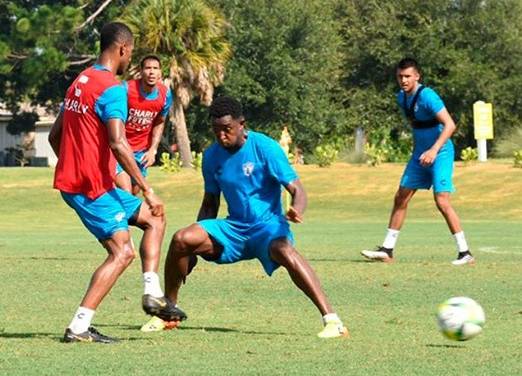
[[463, 259], [381, 254]]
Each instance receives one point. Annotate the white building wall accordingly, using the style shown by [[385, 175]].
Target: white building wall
[[41, 145]]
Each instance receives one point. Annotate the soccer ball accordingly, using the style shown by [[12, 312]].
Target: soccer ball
[[460, 318]]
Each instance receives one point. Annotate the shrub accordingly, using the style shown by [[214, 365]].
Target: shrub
[[169, 164], [469, 154], [197, 161], [517, 158], [375, 154], [325, 155]]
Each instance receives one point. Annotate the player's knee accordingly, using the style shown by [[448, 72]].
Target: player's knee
[[154, 222], [125, 254], [443, 204], [400, 201], [181, 240]]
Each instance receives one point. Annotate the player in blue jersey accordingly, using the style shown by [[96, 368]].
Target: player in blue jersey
[[431, 163], [248, 168]]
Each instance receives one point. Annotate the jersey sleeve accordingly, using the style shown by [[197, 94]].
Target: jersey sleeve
[[277, 162], [168, 103], [433, 102], [211, 184], [112, 104]]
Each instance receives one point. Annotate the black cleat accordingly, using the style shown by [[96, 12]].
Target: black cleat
[[172, 312], [91, 335], [163, 308], [152, 305]]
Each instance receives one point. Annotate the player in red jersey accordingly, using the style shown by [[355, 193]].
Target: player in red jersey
[[87, 136], [149, 102]]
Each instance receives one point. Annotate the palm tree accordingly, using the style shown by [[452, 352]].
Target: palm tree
[[189, 37]]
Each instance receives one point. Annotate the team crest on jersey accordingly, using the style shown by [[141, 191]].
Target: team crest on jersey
[[248, 168], [119, 217]]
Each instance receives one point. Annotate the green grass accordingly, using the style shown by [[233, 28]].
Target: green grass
[[242, 322]]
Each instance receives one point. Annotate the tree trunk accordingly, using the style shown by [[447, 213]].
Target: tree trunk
[[178, 122]]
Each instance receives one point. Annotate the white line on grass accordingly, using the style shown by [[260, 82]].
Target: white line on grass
[[495, 250]]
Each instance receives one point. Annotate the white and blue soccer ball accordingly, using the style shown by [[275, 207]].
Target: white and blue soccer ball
[[460, 318]]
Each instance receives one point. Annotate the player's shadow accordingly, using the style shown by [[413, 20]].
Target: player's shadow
[[28, 335], [53, 336], [211, 329], [446, 346]]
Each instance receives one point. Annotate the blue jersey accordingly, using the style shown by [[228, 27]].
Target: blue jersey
[[250, 178], [428, 105]]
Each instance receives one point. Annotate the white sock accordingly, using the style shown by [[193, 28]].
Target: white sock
[[331, 317], [460, 240], [391, 238], [152, 284], [81, 320]]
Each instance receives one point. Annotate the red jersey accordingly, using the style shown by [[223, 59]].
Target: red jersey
[[143, 112], [86, 164]]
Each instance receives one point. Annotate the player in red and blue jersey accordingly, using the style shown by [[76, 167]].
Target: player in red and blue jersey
[[431, 163], [88, 136], [249, 169], [149, 102]]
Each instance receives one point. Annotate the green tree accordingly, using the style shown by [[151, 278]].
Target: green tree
[[469, 50], [189, 36], [286, 68], [44, 45]]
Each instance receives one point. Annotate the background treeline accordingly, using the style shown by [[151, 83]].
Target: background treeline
[[320, 67]]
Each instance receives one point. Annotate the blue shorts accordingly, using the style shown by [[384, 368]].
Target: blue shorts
[[439, 174], [138, 156], [106, 214], [246, 241]]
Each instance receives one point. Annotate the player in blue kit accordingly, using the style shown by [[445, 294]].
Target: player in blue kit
[[431, 163], [248, 168]]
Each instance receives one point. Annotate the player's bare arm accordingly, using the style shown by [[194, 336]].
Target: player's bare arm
[[55, 134], [299, 201], [123, 153], [443, 116], [209, 207], [157, 132]]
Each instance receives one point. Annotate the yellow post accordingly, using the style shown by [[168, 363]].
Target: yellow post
[[285, 142], [483, 127]]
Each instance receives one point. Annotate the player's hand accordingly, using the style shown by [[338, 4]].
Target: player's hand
[[428, 157], [294, 216], [155, 204], [148, 158]]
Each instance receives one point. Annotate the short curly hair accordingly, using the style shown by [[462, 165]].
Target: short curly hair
[[223, 106]]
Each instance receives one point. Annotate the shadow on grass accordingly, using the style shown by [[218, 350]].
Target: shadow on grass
[[202, 329], [54, 337], [336, 260], [29, 335], [446, 346]]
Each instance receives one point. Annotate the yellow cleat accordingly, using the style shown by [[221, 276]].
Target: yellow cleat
[[334, 330]]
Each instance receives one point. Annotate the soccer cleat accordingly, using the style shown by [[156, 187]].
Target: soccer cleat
[[152, 305], [91, 335], [464, 258], [333, 329], [170, 312], [379, 254], [155, 324]]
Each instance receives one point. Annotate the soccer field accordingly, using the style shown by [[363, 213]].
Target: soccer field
[[243, 323]]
